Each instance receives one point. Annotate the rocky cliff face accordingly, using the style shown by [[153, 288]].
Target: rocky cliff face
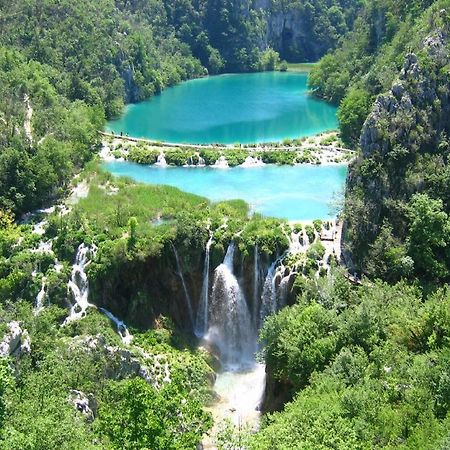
[[404, 137], [304, 31], [289, 32], [140, 291]]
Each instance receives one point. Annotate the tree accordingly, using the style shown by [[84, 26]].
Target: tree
[[135, 415], [352, 113], [429, 236], [269, 59]]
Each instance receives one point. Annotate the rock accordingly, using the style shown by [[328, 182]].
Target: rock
[[86, 404], [398, 89], [16, 341], [124, 363]]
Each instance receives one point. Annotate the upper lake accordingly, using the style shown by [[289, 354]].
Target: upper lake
[[226, 109]]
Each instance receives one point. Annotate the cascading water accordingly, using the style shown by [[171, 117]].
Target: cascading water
[[78, 283], [186, 292], [231, 328], [269, 294], [221, 163], [161, 160], [256, 287], [201, 324], [41, 296], [121, 327]]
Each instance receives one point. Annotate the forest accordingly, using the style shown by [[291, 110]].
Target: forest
[[349, 366]]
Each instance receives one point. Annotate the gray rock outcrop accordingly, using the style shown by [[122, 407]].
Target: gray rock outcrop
[[16, 341], [86, 404]]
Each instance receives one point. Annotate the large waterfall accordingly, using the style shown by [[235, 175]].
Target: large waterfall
[[230, 329]]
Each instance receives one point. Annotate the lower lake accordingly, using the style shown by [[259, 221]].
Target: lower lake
[[301, 192]]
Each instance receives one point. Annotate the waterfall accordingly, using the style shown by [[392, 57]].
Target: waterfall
[[305, 238], [121, 327], [201, 325], [78, 284], [221, 163], [41, 296], [201, 162], [294, 243], [269, 294], [186, 293], [161, 160], [256, 278], [250, 161], [231, 327]]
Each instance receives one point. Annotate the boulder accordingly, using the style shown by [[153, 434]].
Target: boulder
[[86, 404], [16, 341]]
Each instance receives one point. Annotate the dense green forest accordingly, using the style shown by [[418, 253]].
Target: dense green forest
[[391, 75], [79, 62], [349, 366]]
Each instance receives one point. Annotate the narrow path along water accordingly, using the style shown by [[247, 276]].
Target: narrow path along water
[[300, 192], [258, 107]]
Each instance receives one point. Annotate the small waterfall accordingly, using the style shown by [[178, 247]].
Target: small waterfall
[[256, 283], [161, 160], [294, 243], [269, 294], [121, 327], [186, 293], [250, 161], [39, 228], [221, 163], [201, 325], [305, 238], [231, 327], [78, 283], [39, 304], [201, 162]]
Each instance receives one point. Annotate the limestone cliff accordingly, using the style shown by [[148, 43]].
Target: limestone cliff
[[404, 148]]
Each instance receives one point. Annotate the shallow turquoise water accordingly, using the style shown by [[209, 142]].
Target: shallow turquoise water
[[294, 193], [258, 107]]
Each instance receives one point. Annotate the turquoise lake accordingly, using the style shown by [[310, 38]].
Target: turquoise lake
[[243, 108], [290, 192]]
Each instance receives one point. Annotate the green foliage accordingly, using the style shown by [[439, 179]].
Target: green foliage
[[299, 341], [373, 374], [429, 236], [142, 155], [404, 149], [138, 416], [283, 66], [352, 114], [270, 59]]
